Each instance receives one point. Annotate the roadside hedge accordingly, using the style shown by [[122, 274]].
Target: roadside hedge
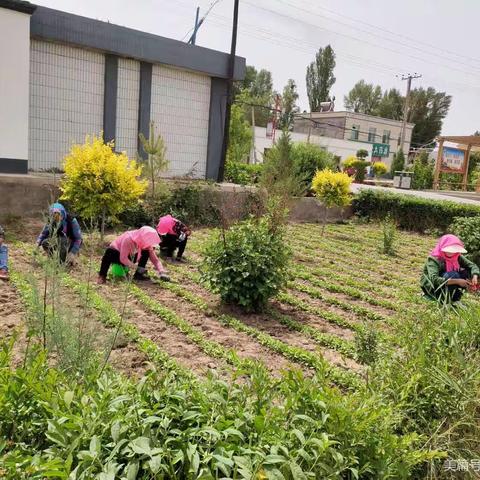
[[411, 213]]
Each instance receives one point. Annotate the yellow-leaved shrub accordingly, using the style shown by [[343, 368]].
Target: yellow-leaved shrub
[[99, 182], [379, 169], [332, 188]]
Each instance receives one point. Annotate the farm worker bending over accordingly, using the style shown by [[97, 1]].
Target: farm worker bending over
[[174, 234], [136, 246], [447, 273], [3, 256], [61, 235]]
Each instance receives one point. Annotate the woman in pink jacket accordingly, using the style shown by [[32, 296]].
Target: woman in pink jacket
[[130, 248], [174, 234]]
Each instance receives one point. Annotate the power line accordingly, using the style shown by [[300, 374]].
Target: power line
[[410, 39], [353, 38]]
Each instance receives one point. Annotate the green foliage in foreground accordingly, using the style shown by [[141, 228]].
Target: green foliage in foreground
[[167, 427]]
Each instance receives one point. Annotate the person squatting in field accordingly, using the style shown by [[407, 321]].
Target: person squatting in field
[[61, 235], [3, 255], [132, 248], [174, 234], [447, 273]]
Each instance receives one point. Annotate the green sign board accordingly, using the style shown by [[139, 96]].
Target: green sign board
[[380, 150]]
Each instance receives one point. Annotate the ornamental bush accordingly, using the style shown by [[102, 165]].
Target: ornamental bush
[[333, 189], [409, 212], [379, 169], [308, 159], [248, 263], [99, 182], [243, 173]]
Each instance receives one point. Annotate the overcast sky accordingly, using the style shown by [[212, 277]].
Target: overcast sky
[[374, 40]]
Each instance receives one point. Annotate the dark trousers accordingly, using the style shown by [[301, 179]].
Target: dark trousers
[[113, 256], [57, 246], [170, 243], [455, 292]]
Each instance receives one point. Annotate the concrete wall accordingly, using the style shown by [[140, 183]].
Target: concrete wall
[[128, 93], [180, 108], [66, 100], [14, 85]]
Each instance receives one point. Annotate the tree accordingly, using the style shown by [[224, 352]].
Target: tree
[[390, 105], [427, 110], [362, 154], [156, 151], [100, 182], [398, 163], [320, 78], [240, 143], [363, 98], [256, 89], [333, 189], [289, 105], [308, 159], [279, 177]]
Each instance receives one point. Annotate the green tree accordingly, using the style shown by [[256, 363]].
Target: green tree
[[289, 105], [362, 154], [363, 98], [398, 163], [156, 162], [279, 176], [390, 105], [240, 143], [320, 78], [308, 159], [427, 110]]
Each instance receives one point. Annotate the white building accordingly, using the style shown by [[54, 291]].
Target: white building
[[380, 136], [63, 77], [339, 147]]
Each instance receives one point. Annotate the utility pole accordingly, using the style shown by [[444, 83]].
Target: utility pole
[[193, 38], [254, 150], [408, 78], [228, 110]]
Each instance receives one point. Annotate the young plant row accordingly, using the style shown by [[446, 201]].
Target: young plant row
[[324, 339], [316, 293], [301, 272], [339, 376], [362, 258], [110, 317]]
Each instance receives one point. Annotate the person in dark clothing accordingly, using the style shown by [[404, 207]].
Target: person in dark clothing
[[61, 235], [174, 235], [3, 256], [447, 273]]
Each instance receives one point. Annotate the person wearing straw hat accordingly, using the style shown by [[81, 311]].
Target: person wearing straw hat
[[447, 272]]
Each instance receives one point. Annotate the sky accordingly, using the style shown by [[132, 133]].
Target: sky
[[375, 40]]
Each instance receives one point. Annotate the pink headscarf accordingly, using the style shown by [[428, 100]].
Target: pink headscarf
[[145, 238], [165, 225], [451, 263]]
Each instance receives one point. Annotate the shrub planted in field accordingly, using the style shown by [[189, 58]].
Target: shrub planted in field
[[389, 231], [247, 264]]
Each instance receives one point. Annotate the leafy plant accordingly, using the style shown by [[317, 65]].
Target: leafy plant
[[389, 234], [308, 158], [362, 154], [156, 151], [247, 264], [243, 173], [241, 136], [279, 177], [379, 169], [398, 163], [423, 170], [333, 189], [468, 229], [366, 345], [356, 167], [99, 182]]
